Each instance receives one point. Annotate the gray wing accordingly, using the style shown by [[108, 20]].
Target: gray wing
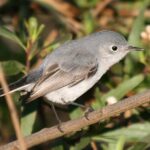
[[67, 71]]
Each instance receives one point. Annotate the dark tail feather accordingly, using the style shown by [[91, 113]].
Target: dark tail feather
[[24, 82], [16, 86]]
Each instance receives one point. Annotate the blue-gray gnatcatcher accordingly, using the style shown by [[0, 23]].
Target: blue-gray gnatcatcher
[[73, 68]]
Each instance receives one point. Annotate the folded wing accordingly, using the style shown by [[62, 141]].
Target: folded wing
[[67, 72]]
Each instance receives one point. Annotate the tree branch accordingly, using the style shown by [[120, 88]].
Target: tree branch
[[77, 124], [12, 109]]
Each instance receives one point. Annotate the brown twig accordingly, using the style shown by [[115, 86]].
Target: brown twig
[[13, 111], [62, 7], [28, 51], [94, 146], [77, 124], [74, 25], [101, 6], [68, 13]]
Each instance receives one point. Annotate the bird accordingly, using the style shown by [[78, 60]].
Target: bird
[[73, 68]]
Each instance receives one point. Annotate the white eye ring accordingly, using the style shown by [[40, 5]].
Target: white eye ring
[[114, 48]]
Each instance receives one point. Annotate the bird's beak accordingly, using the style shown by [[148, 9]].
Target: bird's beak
[[134, 48]]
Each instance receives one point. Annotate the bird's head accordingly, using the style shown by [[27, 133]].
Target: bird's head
[[113, 46]]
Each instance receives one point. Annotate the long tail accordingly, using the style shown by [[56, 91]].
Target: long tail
[[16, 86], [24, 83]]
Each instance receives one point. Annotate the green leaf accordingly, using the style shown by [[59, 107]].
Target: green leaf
[[76, 113], [12, 67], [142, 144], [134, 37], [28, 118], [124, 87], [40, 30], [86, 3], [139, 146], [58, 147], [83, 143], [33, 28], [120, 143], [88, 22], [133, 133], [11, 36], [98, 103]]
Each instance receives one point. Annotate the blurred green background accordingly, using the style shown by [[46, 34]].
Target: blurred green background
[[29, 30]]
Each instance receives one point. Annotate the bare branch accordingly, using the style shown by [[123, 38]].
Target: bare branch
[[52, 133], [101, 6], [13, 111]]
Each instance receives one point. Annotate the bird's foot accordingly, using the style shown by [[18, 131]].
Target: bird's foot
[[59, 127], [87, 111]]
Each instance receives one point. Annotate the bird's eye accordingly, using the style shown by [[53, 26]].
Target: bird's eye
[[114, 48]]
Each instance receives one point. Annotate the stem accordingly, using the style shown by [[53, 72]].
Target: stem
[[28, 51], [13, 112]]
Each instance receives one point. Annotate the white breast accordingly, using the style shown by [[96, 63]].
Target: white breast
[[69, 94]]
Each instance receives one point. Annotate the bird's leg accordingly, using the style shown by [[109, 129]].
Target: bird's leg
[[57, 117], [88, 109], [77, 104]]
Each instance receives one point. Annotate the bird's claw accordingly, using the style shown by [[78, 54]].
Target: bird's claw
[[87, 111], [60, 128]]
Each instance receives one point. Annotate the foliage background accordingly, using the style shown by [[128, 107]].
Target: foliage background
[[29, 30]]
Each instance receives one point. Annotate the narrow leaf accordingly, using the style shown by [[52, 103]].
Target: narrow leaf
[[134, 37], [12, 67], [124, 87], [28, 118], [134, 132], [11, 36]]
